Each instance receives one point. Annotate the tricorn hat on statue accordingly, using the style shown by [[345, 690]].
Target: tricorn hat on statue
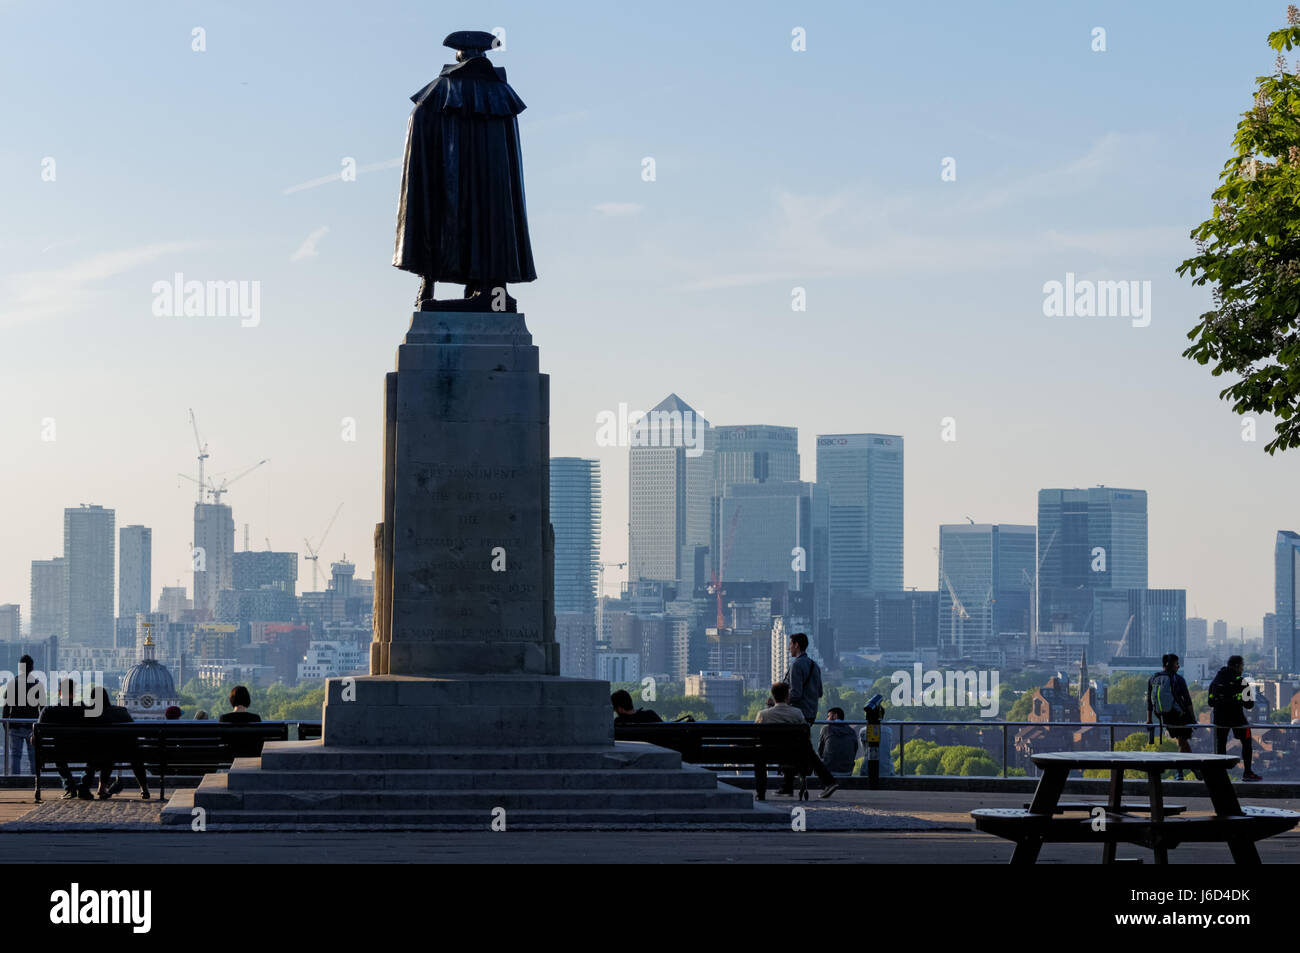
[[471, 42]]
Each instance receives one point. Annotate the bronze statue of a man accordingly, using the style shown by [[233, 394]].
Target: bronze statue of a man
[[461, 215]]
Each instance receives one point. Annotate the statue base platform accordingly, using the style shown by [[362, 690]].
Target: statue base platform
[[467, 711]]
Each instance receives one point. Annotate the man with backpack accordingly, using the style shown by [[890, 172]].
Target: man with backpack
[[1228, 700], [804, 677], [1171, 702]]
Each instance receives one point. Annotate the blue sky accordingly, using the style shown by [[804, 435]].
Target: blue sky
[[775, 169]]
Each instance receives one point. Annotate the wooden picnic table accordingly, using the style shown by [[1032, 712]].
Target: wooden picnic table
[[1231, 823]]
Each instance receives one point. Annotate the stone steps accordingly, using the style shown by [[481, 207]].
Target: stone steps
[[178, 815], [214, 794], [308, 785], [248, 779]]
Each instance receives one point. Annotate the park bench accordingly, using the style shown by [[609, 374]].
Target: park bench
[[730, 744], [171, 748]]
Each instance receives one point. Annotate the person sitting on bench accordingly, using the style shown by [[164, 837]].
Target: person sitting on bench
[[64, 712], [783, 713], [240, 699], [625, 714], [110, 714]]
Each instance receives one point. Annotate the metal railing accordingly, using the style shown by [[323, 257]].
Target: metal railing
[[1005, 727], [20, 724]]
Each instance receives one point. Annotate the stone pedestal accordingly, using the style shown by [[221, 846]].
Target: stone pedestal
[[466, 547], [464, 649]]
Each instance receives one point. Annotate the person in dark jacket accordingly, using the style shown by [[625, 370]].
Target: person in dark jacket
[[804, 678], [838, 745], [65, 711], [110, 714], [1171, 703], [625, 714], [23, 699], [240, 699], [1229, 699]]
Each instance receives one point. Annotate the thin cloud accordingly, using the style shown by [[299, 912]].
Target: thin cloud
[[338, 176], [619, 208], [308, 247], [40, 295]]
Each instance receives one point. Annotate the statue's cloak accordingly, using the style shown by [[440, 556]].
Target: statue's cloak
[[461, 216]]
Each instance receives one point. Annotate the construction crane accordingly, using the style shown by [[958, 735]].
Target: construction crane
[[215, 491], [958, 609], [1123, 639], [203, 454], [313, 552], [1032, 585]]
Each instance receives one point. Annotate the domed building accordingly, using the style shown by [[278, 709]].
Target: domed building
[[147, 689]]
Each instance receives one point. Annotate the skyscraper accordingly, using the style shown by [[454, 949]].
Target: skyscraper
[[263, 569], [10, 622], [1220, 637], [174, 603], [747, 454], [766, 533], [1286, 596], [670, 483], [134, 571], [982, 566], [89, 548], [1088, 540], [755, 453], [49, 605], [575, 516], [575, 519], [862, 477], [1197, 636], [213, 555]]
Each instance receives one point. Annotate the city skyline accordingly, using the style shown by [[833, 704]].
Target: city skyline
[[1253, 627], [1092, 171]]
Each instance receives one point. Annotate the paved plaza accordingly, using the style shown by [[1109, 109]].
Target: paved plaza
[[855, 827]]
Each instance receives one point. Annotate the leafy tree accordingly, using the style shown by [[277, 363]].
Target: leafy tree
[[1020, 708], [1131, 691], [926, 757], [1249, 252], [981, 766]]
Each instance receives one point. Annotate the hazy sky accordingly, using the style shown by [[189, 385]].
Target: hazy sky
[[775, 169]]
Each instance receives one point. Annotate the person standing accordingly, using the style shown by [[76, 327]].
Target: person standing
[[1171, 703], [804, 678], [1229, 699], [22, 700]]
